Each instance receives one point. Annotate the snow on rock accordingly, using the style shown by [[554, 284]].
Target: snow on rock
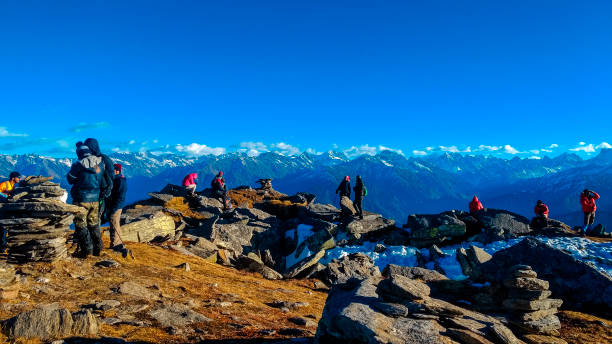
[[600, 254]]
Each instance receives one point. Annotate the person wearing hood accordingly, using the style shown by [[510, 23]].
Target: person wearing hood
[[344, 189], [86, 178], [116, 206], [190, 183], [475, 205], [360, 192], [587, 201]]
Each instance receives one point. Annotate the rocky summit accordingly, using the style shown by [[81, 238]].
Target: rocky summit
[[283, 268]]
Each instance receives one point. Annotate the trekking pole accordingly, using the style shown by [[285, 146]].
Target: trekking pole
[[127, 250]]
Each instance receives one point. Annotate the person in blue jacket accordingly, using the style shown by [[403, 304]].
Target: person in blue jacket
[[117, 200]]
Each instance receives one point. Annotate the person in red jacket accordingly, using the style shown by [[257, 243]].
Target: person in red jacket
[[190, 183], [541, 209], [587, 200], [475, 205]]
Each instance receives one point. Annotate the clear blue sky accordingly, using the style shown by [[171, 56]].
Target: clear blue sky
[[312, 74]]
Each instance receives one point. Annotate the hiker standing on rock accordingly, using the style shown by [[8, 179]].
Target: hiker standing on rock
[[108, 174], [587, 200], [86, 177], [475, 205], [190, 183], [6, 189], [344, 189], [360, 192], [116, 206], [220, 189], [541, 209]]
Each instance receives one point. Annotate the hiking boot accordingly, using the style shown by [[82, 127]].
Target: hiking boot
[[81, 254]]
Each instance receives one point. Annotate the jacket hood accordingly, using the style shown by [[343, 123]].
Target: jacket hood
[[91, 161], [93, 146], [475, 199]]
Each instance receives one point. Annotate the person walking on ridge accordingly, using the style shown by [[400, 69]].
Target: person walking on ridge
[[86, 178], [360, 192], [117, 201], [190, 183], [587, 201], [475, 205], [541, 209]]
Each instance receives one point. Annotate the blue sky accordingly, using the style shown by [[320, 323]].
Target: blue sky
[[205, 77]]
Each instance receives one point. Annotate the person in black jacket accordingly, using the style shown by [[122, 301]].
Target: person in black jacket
[[360, 191], [106, 186], [344, 189], [117, 200], [86, 177]]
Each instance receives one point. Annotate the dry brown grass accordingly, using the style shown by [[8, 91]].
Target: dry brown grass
[[154, 267], [181, 205], [250, 197], [580, 328]]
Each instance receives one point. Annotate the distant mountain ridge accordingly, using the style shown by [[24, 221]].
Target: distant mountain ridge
[[397, 186]]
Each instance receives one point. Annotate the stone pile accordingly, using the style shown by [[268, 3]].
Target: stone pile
[[265, 184], [37, 221], [531, 310]]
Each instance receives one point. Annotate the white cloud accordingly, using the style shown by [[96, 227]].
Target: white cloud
[[196, 149], [419, 152], [62, 143], [155, 141], [312, 151], [285, 149], [5, 133], [510, 150], [253, 149], [554, 145], [355, 151], [546, 150], [585, 148], [486, 148], [119, 150], [535, 157], [429, 149], [604, 145], [535, 151], [582, 143], [89, 126], [132, 142]]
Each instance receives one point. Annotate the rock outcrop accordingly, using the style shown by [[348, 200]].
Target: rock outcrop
[[353, 266], [567, 275], [37, 221]]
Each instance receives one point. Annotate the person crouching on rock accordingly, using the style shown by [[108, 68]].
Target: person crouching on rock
[[86, 178], [475, 205], [360, 192], [219, 189], [587, 201], [344, 189], [190, 183], [541, 209], [117, 201], [6, 189]]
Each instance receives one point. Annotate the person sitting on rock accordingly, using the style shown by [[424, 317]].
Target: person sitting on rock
[[344, 189], [190, 183], [360, 192], [475, 205], [116, 206], [86, 178], [587, 201], [541, 209], [219, 189]]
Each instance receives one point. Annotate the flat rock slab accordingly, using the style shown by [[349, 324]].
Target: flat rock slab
[[526, 283], [401, 288], [539, 339], [529, 294], [525, 273], [535, 305], [537, 315], [177, 315], [547, 325], [136, 290], [466, 336]]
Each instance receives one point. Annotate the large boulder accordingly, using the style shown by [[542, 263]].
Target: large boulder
[[49, 322], [356, 265], [159, 225], [346, 206], [551, 228], [372, 225], [510, 224], [426, 230], [578, 284], [326, 212], [417, 273]]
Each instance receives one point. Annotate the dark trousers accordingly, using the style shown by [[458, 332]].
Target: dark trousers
[[589, 218], [358, 203]]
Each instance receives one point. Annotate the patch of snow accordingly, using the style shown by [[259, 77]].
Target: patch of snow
[[386, 163], [303, 232]]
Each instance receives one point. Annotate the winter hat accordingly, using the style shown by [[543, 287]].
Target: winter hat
[[14, 174], [83, 151], [118, 167], [221, 173]]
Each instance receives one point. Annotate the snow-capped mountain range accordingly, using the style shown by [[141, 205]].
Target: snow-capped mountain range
[[397, 186]]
